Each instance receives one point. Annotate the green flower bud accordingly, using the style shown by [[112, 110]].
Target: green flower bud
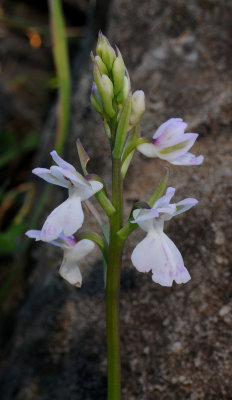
[[101, 66], [108, 86], [105, 88], [118, 73], [105, 51], [137, 107], [122, 96]]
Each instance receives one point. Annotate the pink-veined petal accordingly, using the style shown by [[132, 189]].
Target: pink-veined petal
[[188, 159], [158, 253], [59, 161], [174, 257], [68, 217]]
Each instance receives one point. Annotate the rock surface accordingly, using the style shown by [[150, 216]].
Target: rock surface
[[176, 343]]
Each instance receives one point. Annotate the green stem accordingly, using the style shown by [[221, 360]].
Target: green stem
[[126, 231], [113, 287]]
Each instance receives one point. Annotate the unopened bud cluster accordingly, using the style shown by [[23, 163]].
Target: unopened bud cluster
[[111, 87]]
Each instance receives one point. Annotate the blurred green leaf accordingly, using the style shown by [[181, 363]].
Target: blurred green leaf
[[12, 149], [60, 51], [8, 241]]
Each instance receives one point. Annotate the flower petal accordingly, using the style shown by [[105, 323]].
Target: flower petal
[[177, 146], [164, 201], [80, 250], [33, 234], [185, 205], [68, 217], [143, 255], [59, 161], [180, 272], [57, 172], [188, 159], [70, 271], [96, 186], [142, 214], [48, 176], [77, 179], [172, 127], [158, 253], [148, 150], [144, 218]]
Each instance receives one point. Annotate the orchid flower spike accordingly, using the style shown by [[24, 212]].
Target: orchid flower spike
[[170, 143], [74, 251], [157, 252], [68, 217]]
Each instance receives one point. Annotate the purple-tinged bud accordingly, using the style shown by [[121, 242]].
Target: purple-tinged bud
[[96, 99]]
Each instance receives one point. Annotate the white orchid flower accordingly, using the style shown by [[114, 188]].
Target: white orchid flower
[[74, 251], [68, 217], [170, 143], [157, 253]]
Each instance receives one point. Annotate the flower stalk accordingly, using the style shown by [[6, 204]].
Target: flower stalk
[[113, 287]]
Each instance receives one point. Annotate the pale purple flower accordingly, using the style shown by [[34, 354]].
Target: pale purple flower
[[73, 250], [68, 217], [170, 143], [156, 252]]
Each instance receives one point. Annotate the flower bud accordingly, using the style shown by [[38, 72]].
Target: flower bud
[[122, 96], [137, 106], [118, 73], [105, 51], [96, 99], [105, 88], [108, 86], [101, 66]]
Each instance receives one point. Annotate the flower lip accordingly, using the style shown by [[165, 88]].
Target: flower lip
[[157, 253]]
